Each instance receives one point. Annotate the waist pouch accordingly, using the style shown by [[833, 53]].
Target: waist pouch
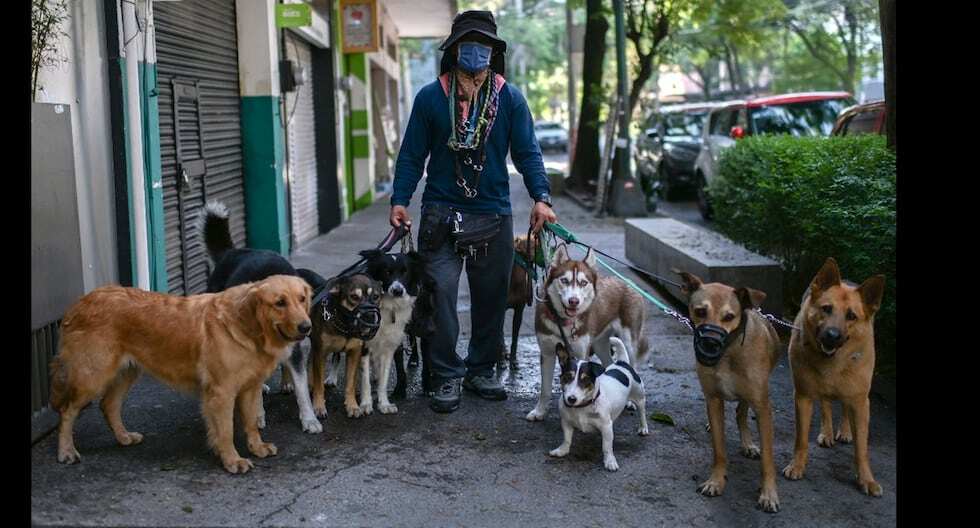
[[470, 233]]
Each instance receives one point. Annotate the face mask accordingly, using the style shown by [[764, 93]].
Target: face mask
[[473, 57]]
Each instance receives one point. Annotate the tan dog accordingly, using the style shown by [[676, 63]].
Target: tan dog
[[349, 292], [221, 346], [519, 296], [833, 358], [735, 368]]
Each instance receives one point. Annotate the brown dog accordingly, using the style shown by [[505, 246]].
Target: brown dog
[[329, 338], [833, 358], [735, 365], [519, 296], [221, 346]]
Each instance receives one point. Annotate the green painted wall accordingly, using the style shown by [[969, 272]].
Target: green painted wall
[[153, 171], [265, 193], [129, 175]]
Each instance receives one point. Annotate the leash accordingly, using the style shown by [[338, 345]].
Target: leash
[[559, 231]]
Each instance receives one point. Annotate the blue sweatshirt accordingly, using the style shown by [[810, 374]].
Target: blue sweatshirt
[[427, 134]]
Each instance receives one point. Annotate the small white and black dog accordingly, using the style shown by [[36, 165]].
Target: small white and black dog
[[593, 397], [402, 276]]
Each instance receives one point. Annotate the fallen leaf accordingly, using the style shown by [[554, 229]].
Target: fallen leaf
[[187, 509], [662, 418]]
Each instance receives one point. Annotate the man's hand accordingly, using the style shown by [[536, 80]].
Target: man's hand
[[399, 215], [541, 214]]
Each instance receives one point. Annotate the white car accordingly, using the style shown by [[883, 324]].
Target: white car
[[797, 114], [551, 136]]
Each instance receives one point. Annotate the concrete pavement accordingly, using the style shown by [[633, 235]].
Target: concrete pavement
[[483, 465]]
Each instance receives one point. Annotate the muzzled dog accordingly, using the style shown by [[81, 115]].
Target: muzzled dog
[[833, 358], [593, 397], [220, 346], [233, 266], [581, 311], [736, 350]]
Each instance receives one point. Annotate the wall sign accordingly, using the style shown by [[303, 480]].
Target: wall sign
[[359, 25], [293, 15]]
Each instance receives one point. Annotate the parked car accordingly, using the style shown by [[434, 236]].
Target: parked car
[[867, 118], [798, 114], [667, 146], [551, 136]]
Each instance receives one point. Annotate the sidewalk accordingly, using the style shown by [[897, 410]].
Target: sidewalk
[[483, 465]]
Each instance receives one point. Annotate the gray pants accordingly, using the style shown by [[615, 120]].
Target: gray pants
[[489, 279]]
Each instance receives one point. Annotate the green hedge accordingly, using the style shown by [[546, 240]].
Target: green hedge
[[801, 200]]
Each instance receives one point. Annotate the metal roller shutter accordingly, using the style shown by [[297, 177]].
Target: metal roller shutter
[[200, 137], [301, 136]]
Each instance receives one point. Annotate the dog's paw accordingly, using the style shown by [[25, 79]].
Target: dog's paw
[[751, 451], [266, 389], [312, 426], [320, 411], [610, 463], [712, 488], [870, 487], [263, 449], [536, 415], [238, 465], [630, 406], [559, 451], [69, 456], [331, 380], [367, 408], [793, 471], [353, 411], [825, 440], [286, 388], [387, 408], [129, 438], [643, 430], [768, 501], [844, 438]]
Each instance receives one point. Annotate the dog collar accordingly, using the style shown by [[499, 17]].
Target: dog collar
[[586, 404], [552, 314]]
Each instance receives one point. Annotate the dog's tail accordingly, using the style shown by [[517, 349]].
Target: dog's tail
[[213, 224], [618, 350]]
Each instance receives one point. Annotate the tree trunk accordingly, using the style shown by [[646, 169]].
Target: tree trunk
[[585, 167], [886, 10]]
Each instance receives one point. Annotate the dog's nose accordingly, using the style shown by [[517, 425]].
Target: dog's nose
[[397, 291], [573, 302], [572, 399], [830, 337], [304, 328]]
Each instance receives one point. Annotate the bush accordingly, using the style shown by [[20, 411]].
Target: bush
[[801, 200]]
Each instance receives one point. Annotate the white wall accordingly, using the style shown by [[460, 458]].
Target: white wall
[[82, 83]]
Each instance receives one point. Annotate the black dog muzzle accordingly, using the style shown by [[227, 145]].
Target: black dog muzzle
[[710, 342], [362, 322]]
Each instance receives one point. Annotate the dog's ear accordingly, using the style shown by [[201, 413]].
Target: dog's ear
[[691, 281], [595, 370], [248, 310], [560, 256], [872, 290], [750, 298], [826, 278], [590, 258], [309, 296]]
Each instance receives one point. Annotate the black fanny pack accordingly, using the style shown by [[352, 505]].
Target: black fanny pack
[[471, 233]]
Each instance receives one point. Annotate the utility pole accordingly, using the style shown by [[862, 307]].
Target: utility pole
[[626, 198]]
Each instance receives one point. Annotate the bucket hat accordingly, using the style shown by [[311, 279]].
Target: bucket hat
[[474, 22]]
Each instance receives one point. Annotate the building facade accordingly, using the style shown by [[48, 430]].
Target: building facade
[[163, 106]]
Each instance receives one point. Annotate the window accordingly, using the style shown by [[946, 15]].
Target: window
[[684, 124], [863, 123], [810, 118], [723, 121]]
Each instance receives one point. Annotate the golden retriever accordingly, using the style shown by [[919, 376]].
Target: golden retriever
[[220, 346]]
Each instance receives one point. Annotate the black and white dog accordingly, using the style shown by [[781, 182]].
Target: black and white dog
[[403, 278], [233, 266], [593, 397]]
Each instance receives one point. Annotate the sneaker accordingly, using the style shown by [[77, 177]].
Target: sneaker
[[486, 387], [446, 398]]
